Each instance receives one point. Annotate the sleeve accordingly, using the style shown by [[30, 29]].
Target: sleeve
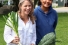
[[56, 20], [35, 12], [34, 34], [8, 34]]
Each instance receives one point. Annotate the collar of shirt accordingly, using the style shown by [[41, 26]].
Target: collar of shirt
[[23, 25]]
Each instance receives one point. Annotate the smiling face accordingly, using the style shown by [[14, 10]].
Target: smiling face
[[25, 7], [46, 3]]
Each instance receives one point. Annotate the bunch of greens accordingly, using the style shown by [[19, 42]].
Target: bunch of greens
[[12, 22]]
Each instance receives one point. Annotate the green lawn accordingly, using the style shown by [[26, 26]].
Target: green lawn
[[61, 30], [2, 23]]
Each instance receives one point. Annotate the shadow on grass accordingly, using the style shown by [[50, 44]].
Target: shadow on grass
[[58, 41]]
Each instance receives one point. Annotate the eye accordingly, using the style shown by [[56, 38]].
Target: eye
[[29, 5], [25, 6], [50, 0]]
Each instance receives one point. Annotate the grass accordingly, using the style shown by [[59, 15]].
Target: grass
[[2, 23], [61, 30]]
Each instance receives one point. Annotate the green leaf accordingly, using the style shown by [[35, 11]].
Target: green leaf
[[13, 20]]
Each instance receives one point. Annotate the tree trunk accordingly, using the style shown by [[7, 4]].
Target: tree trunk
[[5, 9], [35, 2], [16, 2]]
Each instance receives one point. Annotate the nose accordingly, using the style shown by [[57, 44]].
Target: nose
[[47, 0], [28, 7]]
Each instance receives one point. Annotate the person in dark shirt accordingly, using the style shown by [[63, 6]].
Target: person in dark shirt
[[46, 21]]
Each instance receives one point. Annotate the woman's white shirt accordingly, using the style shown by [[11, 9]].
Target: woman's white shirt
[[27, 33]]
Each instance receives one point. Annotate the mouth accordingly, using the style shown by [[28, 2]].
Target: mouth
[[27, 11], [47, 4]]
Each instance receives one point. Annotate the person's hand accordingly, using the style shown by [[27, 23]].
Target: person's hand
[[32, 44], [16, 40]]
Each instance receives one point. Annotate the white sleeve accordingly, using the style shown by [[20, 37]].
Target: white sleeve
[[34, 34], [8, 34]]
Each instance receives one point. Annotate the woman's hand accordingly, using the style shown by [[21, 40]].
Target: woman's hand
[[16, 40]]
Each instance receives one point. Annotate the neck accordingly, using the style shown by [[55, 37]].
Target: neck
[[24, 18], [45, 9]]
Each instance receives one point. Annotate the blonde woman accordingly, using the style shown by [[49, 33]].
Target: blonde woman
[[26, 26]]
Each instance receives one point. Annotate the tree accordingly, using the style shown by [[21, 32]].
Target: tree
[[15, 2], [5, 9], [35, 2], [1, 5], [14, 7]]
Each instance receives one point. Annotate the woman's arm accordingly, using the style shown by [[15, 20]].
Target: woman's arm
[[8, 34]]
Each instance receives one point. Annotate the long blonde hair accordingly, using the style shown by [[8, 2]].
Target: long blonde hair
[[32, 17]]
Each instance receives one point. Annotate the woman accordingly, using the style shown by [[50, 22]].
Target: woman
[[46, 23], [26, 26]]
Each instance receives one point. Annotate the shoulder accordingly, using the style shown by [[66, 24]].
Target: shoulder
[[54, 11], [36, 10]]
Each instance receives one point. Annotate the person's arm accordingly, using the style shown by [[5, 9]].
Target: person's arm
[[8, 36], [34, 34], [35, 13], [56, 20]]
